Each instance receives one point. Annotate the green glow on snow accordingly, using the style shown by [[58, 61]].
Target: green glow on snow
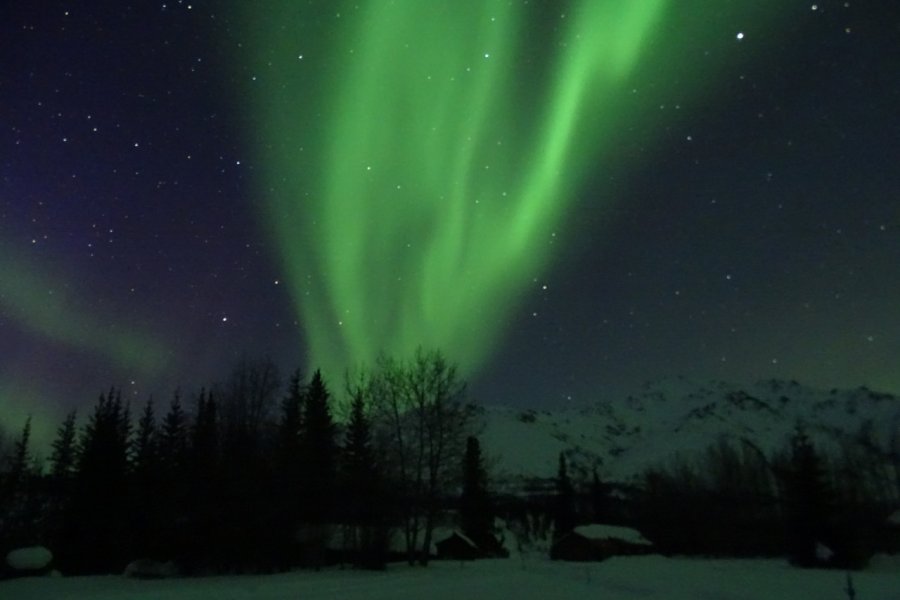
[[418, 156]]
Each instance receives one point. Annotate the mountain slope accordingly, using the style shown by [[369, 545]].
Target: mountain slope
[[679, 417]]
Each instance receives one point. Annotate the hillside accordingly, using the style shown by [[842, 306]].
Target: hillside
[[622, 437]]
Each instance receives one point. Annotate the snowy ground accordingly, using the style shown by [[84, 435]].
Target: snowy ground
[[615, 579]]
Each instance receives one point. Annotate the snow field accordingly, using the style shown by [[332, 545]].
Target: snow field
[[620, 578]]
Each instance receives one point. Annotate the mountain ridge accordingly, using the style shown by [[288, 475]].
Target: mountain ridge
[[623, 437]]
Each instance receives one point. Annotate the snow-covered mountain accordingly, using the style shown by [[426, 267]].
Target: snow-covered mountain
[[622, 437]]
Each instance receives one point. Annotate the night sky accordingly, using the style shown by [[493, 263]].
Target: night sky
[[569, 198]]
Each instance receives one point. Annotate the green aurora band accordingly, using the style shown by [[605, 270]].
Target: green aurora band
[[417, 157], [41, 302]]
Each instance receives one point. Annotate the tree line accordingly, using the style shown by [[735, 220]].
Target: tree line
[[818, 509], [250, 476]]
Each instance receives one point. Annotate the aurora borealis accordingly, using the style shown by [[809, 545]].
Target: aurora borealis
[[566, 198], [442, 165], [438, 183], [42, 307]]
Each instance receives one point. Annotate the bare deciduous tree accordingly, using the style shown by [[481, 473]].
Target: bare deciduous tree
[[250, 396], [423, 421]]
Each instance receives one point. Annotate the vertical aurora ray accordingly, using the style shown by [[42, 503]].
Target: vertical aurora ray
[[417, 161]]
